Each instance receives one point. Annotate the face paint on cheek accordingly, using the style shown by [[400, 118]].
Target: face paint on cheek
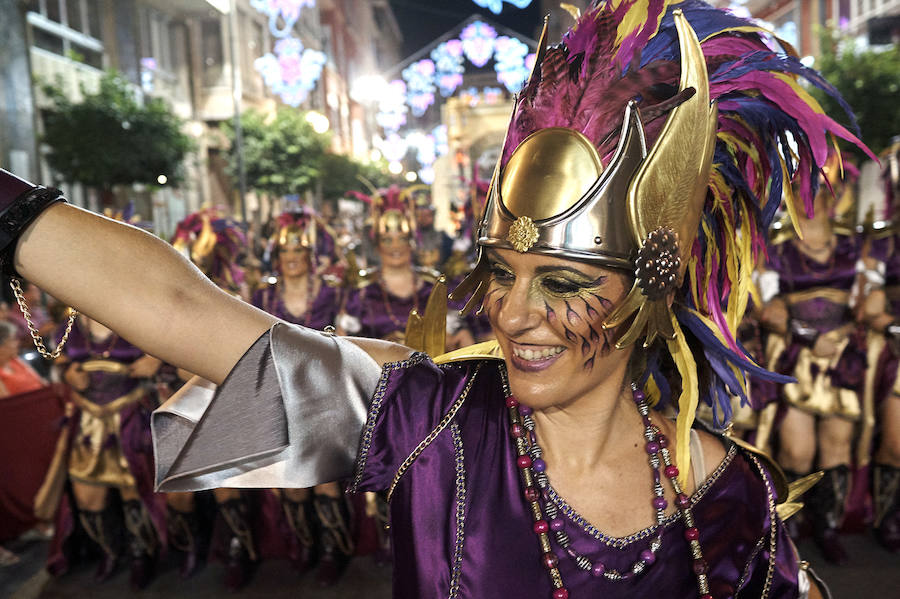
[[604, 303], [571, 314], [589, 363], [570, 335], [551, 313], [585, 346], [591, 313]]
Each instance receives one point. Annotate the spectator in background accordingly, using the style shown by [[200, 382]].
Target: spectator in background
[[16, 376]]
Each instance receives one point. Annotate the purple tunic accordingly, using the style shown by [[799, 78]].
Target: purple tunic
[[382, 314], [798, 273], [320, 315], [461, 527]]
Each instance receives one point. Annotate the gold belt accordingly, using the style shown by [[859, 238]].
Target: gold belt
[[113, 407], [835, 296]]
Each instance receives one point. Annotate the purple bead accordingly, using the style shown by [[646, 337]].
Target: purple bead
[[660, 503], [598, 570], [550, 560], [557, 524], [663, 441], [525, 410], [682, 501], [531, 494], [648, 556], [652, 447], [638, 395], [539, 465], [517, 430]]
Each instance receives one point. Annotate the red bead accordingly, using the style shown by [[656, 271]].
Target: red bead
[[691, 534], [707, 596], [561, 593], [550, 560], [541, 527], [662, 440], [532, 494], [511, 402], [517, 430], [671, 471], [682, 501], [524, 461]]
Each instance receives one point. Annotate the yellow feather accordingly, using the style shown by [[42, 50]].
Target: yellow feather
[[687, 402]]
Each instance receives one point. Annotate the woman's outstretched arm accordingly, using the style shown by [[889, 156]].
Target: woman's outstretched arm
[[140, 287]]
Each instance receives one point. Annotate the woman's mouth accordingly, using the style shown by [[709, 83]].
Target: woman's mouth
[[535, 358]]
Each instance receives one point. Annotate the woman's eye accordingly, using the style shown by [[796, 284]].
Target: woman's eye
[[501, 275], [561, 287]]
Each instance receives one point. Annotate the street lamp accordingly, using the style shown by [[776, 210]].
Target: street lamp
[[319, 121]]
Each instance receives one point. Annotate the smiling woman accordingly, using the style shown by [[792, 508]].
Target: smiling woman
[[640, 173]]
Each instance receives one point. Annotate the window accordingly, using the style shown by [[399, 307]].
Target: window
[[212, 52], [68, 27]]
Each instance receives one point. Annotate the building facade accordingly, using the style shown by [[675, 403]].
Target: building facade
[[200, 56]]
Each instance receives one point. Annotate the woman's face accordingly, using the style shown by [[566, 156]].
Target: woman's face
[[9, 349], [395, 249], [547, 314], [293, 261]]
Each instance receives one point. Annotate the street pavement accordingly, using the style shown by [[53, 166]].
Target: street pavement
[[873, 574]]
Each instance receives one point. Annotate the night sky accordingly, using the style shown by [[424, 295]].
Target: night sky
[[422, 21]]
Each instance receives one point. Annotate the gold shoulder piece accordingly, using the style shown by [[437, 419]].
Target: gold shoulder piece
[[796, 489], [428, 332], [109, 366], [778, 478], [488, 350]]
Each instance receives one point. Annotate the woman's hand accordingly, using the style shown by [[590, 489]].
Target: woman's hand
[[77, 378], [144, 367]]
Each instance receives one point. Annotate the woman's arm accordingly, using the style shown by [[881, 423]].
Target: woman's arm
[[140, 287]]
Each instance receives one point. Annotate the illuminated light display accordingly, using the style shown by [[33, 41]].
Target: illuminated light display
[[420, 87], [393, 147], [288, 11], [292, 71], [496, 6], [392, 107], [509, 62], [426, 175], [448, 61], [478, 42], [441, 141]]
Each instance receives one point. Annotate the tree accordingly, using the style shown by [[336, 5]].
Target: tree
[[282, 155], [110, 138], [341, 174], [869, 80]]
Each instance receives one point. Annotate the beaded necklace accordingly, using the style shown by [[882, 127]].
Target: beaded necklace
[[546, 514]]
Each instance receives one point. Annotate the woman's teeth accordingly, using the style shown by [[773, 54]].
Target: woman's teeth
[[540, 354]]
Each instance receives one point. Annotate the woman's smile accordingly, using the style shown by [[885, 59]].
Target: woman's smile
[[532, 358]]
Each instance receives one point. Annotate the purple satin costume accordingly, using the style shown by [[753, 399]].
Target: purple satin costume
[[134, 435], [461, 527], [460, 524], [320, 315], [382, 314], [800, 273]]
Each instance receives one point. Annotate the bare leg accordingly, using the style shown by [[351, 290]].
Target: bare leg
[[797, 441], [889, 450]]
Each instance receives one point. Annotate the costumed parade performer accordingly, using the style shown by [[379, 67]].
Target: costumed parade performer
[[107, 445], [242, 531], [811, 305], [885, 247], [318, 518], [626, 208]]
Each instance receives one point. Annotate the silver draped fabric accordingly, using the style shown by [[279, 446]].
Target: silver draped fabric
[[288, 415]]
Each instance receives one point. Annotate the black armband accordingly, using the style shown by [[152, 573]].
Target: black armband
[[20, 203]]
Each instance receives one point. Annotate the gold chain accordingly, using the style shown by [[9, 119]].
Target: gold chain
[[35, 334]]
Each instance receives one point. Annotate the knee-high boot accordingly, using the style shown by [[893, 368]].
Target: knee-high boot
[[242, 554], [826, 508], [305, 546], [188, 536], [104, 528], [886, 496], [336, 538], [143, 543]]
